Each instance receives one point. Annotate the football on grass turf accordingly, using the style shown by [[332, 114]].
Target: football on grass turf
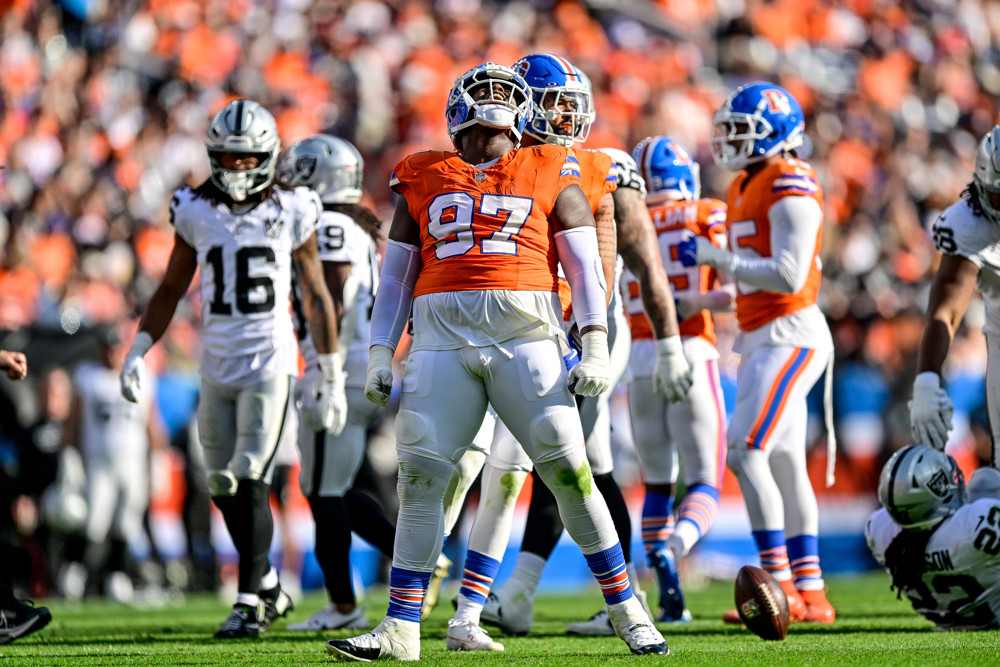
[[761, 603]]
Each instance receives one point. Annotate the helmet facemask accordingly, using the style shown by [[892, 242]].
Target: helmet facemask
[[757, 121], [243, 127], [489, 95], [562, 116]]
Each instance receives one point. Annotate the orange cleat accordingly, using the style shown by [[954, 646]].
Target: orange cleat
[[818, 608], [796, 605]]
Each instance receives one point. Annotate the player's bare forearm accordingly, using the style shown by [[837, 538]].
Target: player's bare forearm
[[159, 311], [317, 304], [640, 251], [607, 239], [951, 290]]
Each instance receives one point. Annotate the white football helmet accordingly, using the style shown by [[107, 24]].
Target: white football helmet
[[987, 173], [243, 126], [920, 487], [331, 166]]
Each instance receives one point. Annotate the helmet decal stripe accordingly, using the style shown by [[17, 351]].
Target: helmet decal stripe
[[890, 503], [238, 128], [568, 69]]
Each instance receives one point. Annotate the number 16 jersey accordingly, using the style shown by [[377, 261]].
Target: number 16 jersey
[[245, 274]]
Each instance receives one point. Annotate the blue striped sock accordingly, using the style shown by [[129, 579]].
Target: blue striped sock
[[477, 578], [406, 593], [657, 520], [608, 567]]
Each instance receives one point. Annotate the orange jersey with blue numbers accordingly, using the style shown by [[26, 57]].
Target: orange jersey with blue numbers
[[749, 201], [674, 222], [486, 229], [598, 177]]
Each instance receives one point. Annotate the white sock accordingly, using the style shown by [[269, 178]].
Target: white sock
[[468, 610], [269, 580], [527, 572], [249, 599]]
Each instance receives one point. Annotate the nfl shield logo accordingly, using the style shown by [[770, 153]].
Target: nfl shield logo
[[480, 177]]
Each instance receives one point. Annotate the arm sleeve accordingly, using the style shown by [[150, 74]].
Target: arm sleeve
[[795, 221], [395, 293], [581, 262]]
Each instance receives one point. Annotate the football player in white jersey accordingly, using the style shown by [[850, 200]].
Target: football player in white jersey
[[967, 234], [347, 236], [563, 114], [114, 438], [243, 236], [941, 550]]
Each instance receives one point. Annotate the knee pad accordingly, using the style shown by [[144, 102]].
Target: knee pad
[[557, 434], [222, 483], [244, 466]]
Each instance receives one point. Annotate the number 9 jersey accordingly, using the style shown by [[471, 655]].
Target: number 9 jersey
[[245, 262], [960, 588]]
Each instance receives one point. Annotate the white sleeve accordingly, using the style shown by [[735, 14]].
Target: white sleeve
[[795, 221], [395, 293], [581, 262]]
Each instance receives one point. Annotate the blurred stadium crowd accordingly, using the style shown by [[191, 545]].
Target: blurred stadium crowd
[[105, 106]]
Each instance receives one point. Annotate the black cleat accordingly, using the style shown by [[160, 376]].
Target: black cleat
[[18, 619], [277, 603], [243, 622]]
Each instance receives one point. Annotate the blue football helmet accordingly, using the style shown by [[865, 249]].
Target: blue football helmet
[[561, 93], [507, 103], [757, 121], [669, 171]]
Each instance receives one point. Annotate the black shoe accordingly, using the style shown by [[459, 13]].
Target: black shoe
[[277, 603], [243, 622], [21, 618]]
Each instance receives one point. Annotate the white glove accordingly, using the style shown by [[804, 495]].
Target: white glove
[[591, 377], [930, 411], [306, 391], [672, 373], [331, 400], [378, 383], [133, 371]]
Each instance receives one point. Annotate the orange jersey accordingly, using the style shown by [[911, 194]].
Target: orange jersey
[[675, 221], [598, 177], [749, 201], [486, 229]]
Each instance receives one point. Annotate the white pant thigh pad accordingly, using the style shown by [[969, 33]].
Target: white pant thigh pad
[[331, 463], [652, 432], [443, 403], [240, 428]]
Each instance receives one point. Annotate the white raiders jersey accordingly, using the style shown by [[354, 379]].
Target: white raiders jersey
[[961, 586], [959, 231], [627, 170], [342, 240], [246, 267], [112, 430]]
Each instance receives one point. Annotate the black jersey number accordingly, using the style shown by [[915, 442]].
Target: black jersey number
[[923, 599], [245, 283], [944, 239]]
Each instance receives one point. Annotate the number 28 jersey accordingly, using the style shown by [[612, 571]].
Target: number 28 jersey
[[245, 266], [960, 588]]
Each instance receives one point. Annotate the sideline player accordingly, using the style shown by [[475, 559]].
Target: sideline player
[[693, 428], [347, 234], [967, 234], [941, 550], [245, 236], [17, 617], [775, 222], [473, 247]]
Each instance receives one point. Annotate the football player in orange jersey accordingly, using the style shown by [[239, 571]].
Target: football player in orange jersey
[[775, 221], [563, 113], [694, 427], [473, 247]]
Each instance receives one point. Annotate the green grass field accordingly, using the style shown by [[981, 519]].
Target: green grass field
[[872, 628]]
